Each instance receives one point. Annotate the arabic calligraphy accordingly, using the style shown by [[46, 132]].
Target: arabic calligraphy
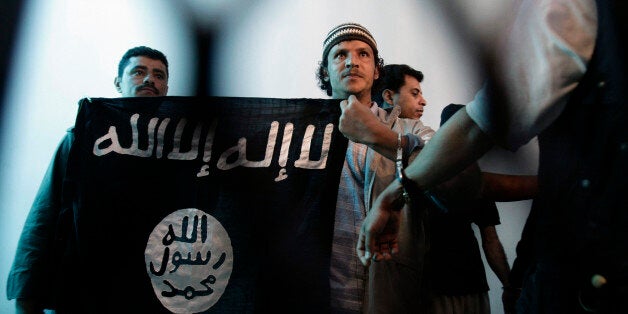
[[189, 259], [235, 156]]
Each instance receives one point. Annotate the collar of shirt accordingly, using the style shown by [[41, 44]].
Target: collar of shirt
[[374, 107]]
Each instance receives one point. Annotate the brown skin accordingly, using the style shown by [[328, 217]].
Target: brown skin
[[351, 72], [143, 77], [409, 98]]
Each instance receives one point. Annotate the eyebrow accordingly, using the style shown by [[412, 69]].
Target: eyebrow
[[339, 50], [143, 67]]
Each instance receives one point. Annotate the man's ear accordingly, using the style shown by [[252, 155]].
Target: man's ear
[[387, 95], [116, 83], [325, 75]]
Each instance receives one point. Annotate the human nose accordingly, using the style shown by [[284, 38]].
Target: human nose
[[349, 61], [422, 101], [148, 79]]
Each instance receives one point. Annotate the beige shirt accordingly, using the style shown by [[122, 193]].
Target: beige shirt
[[545, 54]]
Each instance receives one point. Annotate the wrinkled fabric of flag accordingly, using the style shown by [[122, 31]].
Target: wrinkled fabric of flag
[[200, 205]]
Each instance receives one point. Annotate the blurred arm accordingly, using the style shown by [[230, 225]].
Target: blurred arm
[[507, 188], [495, 255], [456, 145]]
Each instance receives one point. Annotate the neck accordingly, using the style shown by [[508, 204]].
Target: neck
[[363, 98]]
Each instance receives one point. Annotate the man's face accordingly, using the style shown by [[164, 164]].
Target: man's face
[[143, 77], [410, 98], [351, 69]]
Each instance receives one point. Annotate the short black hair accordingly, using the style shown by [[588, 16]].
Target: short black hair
[[449, 111], [144, 52], [394, 76]]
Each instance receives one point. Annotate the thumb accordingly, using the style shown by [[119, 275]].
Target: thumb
[[352, 100], [362, 249], [343, 104]]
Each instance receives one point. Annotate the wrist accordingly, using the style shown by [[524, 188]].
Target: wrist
[[399, 174], [409, 186], [412, 191]]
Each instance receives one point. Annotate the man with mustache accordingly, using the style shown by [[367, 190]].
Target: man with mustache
[[142, 72], [378, 138]]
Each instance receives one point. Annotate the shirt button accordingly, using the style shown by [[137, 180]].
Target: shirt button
[[601, 84], [598, 281], [585, 183]]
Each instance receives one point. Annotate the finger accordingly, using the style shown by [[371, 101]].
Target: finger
[[363, 254], [383, 246], [381, 256], [394, 249], [386, 251], [343, 104], [369, 245]]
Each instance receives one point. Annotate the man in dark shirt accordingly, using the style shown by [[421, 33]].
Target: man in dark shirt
[[457, 276], [142, 72]]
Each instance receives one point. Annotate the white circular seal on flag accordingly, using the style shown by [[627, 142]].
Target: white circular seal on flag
[[189, 260]]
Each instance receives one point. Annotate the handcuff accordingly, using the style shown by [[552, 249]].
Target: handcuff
[[410, 190], [399, 170]]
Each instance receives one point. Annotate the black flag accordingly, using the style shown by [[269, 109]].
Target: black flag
[[201, 205]]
